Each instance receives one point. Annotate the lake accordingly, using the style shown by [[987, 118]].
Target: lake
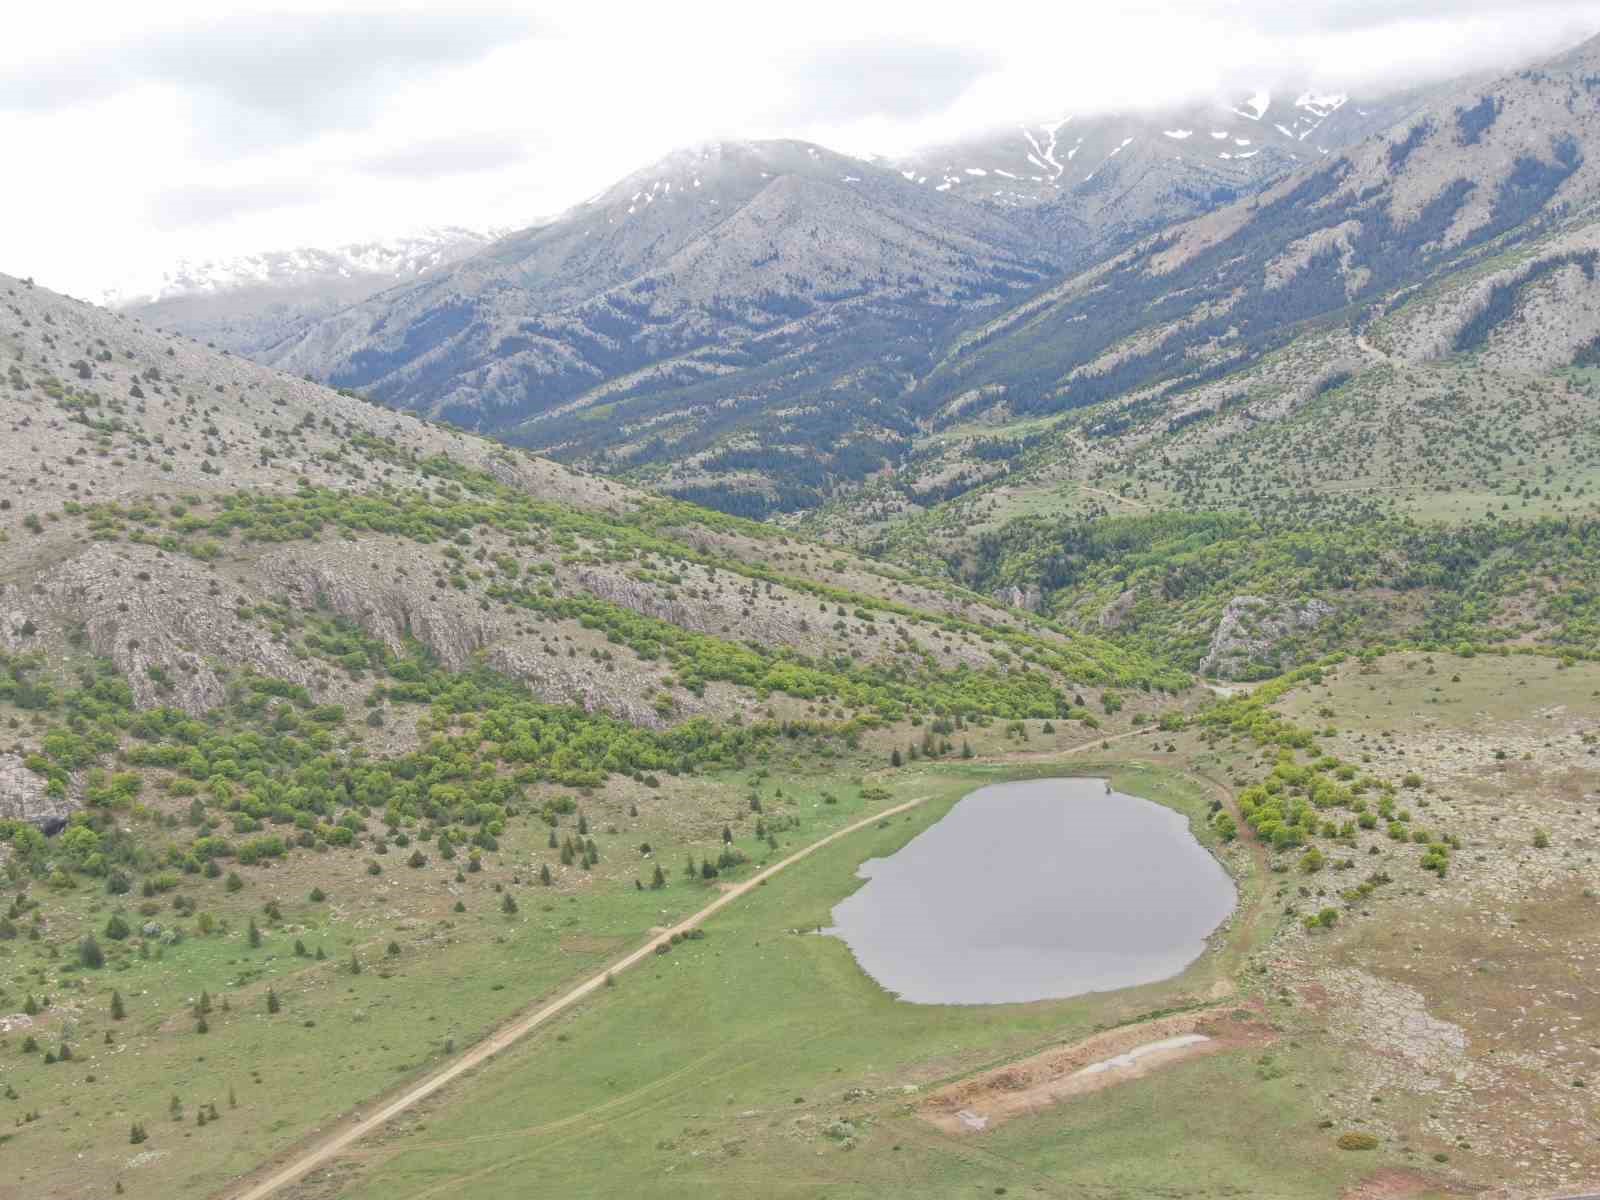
[[1036, 890]]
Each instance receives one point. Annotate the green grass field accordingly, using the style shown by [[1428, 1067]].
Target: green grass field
[[339, 1038], [762, 1061]]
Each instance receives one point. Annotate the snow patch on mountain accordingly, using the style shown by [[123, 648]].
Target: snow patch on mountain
[[1258, 103]]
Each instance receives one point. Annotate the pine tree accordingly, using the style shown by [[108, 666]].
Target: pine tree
[[90, 954], [583, 825], [117, 1011], [203, 1005], [553, 843], [508, 905], [255, 935], [272, 1001], [355, 964], [137, 1134], [966, 748], [659, 879], [544, 874], [689, 868], [727, 835], [894, 758]]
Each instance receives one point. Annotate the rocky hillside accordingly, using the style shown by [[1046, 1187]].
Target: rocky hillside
[[249, 303], [199, 527]]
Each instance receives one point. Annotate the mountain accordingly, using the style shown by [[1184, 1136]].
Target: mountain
[[1358, 409], [1488, 171], [169, 495], [248, 303], [1105, 178], [748, 324], [774, 297]]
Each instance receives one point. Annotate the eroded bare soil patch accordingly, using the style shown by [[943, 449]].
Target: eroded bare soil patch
[[1063, 1072]]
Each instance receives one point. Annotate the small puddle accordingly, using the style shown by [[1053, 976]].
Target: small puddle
[[1036, 890]]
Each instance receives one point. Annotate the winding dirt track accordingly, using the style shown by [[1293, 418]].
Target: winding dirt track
[[323, 1150], [346, 1134]]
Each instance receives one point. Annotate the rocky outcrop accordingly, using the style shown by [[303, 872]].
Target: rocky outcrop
[[1030, 597], [164, 621], [1255, 633], [1113, 615], [23, 797]]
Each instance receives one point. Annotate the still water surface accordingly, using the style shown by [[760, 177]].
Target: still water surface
[[1036, 890]]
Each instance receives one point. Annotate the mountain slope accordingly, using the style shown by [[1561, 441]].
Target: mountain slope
[[721, 288], [248, 303], [1486, 169], [175, 509]]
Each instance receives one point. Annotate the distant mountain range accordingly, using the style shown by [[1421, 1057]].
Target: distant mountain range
[[751, 325], [246, 304]]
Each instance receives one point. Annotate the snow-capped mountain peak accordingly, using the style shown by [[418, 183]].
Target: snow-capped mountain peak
[[408, 256]]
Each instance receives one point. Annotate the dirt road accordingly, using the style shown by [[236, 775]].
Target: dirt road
[[352, 1130]]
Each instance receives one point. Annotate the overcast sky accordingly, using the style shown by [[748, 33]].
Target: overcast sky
[[136, 134]]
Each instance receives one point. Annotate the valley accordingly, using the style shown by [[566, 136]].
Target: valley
[[461, 699]]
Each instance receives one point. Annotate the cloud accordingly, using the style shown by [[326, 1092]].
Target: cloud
[[895, 79], [232, 128], [257, 79], [180, 208], [448, 156]]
